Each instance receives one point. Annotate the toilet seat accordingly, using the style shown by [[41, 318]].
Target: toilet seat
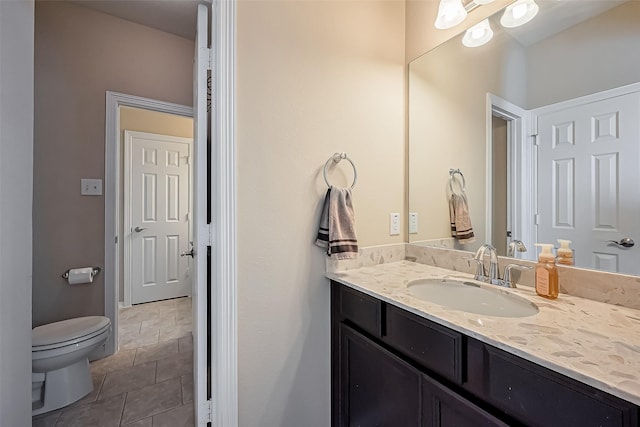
[[67, 332]]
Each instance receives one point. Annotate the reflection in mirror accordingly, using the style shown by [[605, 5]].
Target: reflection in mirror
[[569, 77]]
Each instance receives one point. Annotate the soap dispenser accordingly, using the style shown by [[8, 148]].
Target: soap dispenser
[[564, 253], [546, 273]]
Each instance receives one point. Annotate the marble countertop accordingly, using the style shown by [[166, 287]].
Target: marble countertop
[[592, 342]]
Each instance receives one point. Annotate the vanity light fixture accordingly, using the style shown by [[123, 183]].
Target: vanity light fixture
[[478, 35], [450, 14], [482, 2], [519, 13]]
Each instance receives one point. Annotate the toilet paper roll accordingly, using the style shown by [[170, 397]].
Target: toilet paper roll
[[80, 275]]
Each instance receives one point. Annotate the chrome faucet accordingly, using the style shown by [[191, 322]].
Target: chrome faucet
[[493, 276], [516, 245], [481, 272]]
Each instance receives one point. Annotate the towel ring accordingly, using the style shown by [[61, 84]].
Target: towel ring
[[452, 172], [336, 158]]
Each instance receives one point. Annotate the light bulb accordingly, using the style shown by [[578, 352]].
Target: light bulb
[[519, 13], [478, 35], [450, 14]]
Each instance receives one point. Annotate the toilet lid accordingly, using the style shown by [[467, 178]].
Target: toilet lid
[[67, 330]]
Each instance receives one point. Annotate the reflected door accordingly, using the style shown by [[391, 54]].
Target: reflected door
[[589, 180], [158, 209]]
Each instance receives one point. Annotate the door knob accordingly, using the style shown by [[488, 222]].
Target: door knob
[[138, 229], [625, 242], [191, 253]]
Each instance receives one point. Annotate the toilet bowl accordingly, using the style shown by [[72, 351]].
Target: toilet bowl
[[60, 360]]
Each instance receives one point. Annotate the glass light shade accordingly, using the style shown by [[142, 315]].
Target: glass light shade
[[519, 13], [481, 2], [478, 35], [450, 14]]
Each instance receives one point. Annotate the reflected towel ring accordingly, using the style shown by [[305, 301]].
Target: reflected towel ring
[[337, 158], [452, 172]]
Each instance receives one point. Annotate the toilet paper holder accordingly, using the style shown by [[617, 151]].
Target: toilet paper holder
[[94, 272]]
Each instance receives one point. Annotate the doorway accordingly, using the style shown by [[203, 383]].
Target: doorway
[[135, 110], [510, 156]]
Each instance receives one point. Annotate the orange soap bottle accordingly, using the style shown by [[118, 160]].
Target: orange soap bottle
[[546, 273]]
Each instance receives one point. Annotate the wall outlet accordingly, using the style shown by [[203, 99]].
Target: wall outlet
[[394, 224], [91, 187], [413, 222]]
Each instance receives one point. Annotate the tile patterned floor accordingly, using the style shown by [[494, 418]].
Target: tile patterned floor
[[149, 382]]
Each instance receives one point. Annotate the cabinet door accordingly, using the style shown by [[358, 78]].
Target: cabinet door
[[443, 407], [376, 387], [536, 396]]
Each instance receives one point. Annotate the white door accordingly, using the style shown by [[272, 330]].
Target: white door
[[157, 216], [589, 180]]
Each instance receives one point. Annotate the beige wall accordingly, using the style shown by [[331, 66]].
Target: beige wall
[[447, 129], [314, 78], [79, 55], [138, 119]]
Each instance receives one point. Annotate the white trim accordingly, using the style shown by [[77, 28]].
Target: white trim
[[200, 292], [594, 97], [224, 311], [114, 101], [520, 159]]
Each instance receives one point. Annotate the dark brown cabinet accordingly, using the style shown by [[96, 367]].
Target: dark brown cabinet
[[394, 368], [380, 389], [442, 407]]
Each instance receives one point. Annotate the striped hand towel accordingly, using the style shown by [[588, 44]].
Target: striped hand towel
[[336, 232], [461, 227]]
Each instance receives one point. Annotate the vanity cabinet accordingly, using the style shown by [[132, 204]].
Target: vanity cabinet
[[391, 367]]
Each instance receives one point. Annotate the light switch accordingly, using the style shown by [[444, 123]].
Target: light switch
[[413, 223], [394, 224], [91, 187]]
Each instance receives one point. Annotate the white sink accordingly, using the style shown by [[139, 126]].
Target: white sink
[[468, 296]]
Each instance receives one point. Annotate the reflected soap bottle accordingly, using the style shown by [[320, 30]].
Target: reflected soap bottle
[[546, 273], [564, 253]]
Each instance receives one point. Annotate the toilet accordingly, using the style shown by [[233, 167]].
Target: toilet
[[60, 360]]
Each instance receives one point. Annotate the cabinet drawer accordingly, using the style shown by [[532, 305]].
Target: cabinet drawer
[[435, 347], [537, 396], [361, 309]]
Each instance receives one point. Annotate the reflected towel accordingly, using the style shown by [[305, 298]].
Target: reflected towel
[[461, 227], [336, 232]]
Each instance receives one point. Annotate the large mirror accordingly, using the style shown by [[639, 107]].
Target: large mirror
[[543, 123]]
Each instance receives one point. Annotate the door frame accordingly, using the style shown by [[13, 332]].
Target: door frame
[[128, 136], [113, 142], [520, 155]]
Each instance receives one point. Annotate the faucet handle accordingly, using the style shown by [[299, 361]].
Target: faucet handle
[[507, 274], [480, 273]]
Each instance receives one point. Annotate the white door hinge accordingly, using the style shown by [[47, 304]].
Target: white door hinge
[[535, 139], [536, 219], [210, 411], [205, 236], [206, 409]]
